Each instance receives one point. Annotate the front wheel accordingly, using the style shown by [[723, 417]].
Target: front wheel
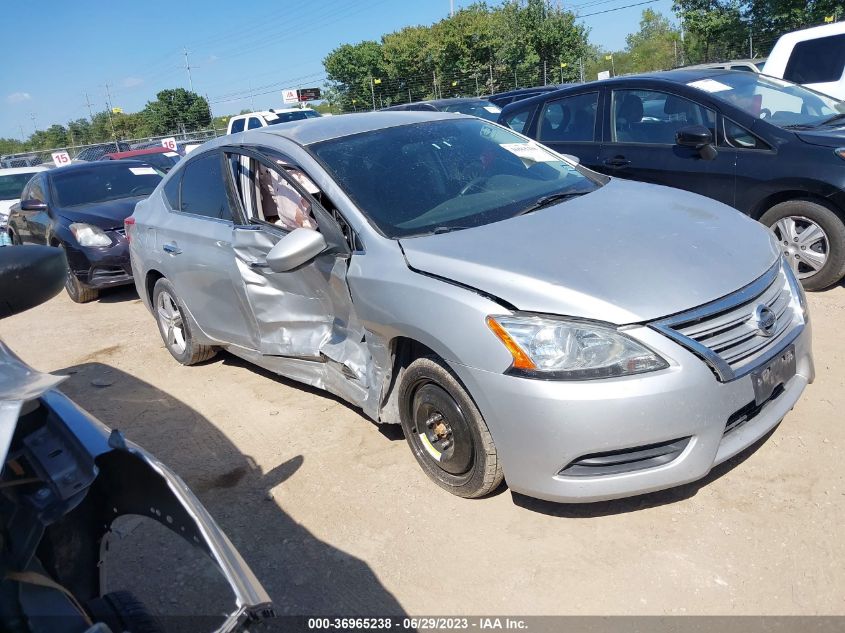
[[174, 328], [812, 237], [446, 432]]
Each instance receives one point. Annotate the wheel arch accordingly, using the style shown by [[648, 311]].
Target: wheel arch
[[150, 280], [792, 194]]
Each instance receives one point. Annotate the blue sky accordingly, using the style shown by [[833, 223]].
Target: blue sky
[[136, 47]]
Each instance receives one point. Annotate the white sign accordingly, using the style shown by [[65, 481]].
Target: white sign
[[291, 95], [169, 143], [605, 74], [143, 171], [60, 159], [709, 85], [530, 152]]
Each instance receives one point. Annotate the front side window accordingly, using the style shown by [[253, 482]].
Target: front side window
[[738, 136], [654, 117], [569, 120], [103, 181], [817, 61], [518, 120], [203, 191], [254, 122], [774, 100], [445, 175]]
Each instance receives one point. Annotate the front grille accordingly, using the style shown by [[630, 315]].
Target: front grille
[[726, 334], [625, 460]]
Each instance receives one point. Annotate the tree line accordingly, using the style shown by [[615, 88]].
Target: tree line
[[172, 111]]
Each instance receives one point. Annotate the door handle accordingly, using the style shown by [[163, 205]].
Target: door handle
[[259, 265], [171, 249], [617, 162]]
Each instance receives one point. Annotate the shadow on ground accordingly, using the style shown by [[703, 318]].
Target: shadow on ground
[[302, 574]]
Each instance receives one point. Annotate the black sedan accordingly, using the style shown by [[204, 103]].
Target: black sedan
[[770, 148], [81, 209], [474, 106]]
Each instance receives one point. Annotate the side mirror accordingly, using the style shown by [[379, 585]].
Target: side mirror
[[33, 205], [295, 249], [29, 276], [697, 137]]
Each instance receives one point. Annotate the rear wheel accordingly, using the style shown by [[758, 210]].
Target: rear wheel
[[446, 432], [174, 328], [812, 237]]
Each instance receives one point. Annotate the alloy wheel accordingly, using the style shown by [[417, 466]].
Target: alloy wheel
[[172, 324], [804, 243]]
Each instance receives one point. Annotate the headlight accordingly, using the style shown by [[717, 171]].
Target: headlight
[[840, 151], [798, 295], [571, 350], [88, 235]]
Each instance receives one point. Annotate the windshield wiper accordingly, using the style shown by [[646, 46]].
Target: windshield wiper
[[546, 201], [833, 119], [437, 230]]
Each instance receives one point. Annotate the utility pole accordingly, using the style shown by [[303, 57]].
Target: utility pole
[[750, 44], [581, 64], [373, 91], [410, 98], [23, 138], [545, 74], [111, 120], [451, 8], [491, 78], [88, 103], [434, 79], [188, 68], [34, 124]]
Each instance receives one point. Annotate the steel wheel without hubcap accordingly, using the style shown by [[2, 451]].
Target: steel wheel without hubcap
[[172, 324], [804, 243], [441, 430]]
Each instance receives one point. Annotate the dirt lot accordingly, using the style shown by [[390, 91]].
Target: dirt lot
[[334, 516]]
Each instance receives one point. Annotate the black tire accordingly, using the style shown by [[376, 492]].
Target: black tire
[[802, 211], [439, 418], [78, 292], [191, 352], [122, 611]]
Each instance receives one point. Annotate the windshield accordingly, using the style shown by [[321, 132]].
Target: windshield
[[774, 100], [284, 117], [103, 182], [446, 175], [481, 108], [11, 185]]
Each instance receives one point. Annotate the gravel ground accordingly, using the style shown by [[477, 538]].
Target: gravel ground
[[334, 516]]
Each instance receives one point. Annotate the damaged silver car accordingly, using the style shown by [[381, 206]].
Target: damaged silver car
[[521, 317], [66, 478]]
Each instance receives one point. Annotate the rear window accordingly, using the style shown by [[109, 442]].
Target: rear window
[[817, 61], [285, 117], [106, 181], [12, 185]]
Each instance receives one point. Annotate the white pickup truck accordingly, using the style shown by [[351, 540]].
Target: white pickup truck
[[264, 118]]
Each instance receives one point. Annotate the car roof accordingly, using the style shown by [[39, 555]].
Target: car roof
[[273, 111], [137, 152], [96, 164], [308, 131], [11, 171], [454, 100]]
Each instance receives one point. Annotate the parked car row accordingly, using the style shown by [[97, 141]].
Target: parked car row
[[770, 148]]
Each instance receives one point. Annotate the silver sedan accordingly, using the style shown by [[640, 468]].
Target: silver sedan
[[521, 317]]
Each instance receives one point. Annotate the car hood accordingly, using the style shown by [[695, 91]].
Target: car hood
[[105, 215], [826, 137], [626, 253]]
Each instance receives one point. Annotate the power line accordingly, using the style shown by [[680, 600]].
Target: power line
[[627, 6]]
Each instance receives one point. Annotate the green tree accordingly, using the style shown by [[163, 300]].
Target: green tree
[[352, 67], [176, 110], [655, 46], [714, 29]]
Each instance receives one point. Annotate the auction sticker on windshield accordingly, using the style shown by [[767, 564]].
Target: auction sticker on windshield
[[143, 171], [529, 151], [709, 85]]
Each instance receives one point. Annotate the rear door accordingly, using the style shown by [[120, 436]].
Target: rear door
[[306, 313], [639, 143], [196, 246]]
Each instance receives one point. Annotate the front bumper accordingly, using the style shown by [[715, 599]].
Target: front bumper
[[540, 427], [101, 267]]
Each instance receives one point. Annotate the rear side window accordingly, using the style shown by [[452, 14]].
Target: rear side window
[[171, 191], [654, 117], [571, 119], [238, 126], [253, 123], [203, 192], [817, 61], [517, 120]]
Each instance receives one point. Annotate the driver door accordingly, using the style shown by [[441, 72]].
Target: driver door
[[306, 313]]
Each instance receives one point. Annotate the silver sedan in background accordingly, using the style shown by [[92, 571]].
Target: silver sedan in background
[[521, 317]]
